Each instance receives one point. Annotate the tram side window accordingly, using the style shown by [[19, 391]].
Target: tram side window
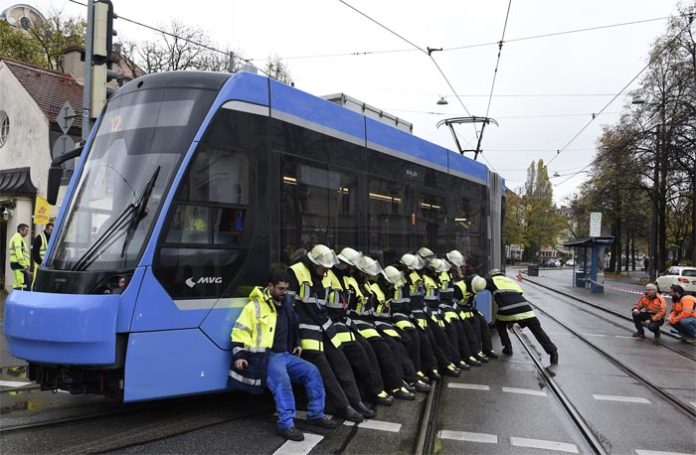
[[318, 205], [388, 220], [470, 234], [431, 226]]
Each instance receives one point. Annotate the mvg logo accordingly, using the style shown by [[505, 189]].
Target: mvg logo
[[204, 280]]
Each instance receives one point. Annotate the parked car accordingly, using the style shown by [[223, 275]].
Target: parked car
[[683, 276], [551, 262], [570, 263]]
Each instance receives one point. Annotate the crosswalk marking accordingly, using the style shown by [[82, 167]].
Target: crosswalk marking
[[377, 425], [622, 399], [467, 436], [539, 393], [14, 383], [658, 452], [463, 385], [543, 444], [299, 447]]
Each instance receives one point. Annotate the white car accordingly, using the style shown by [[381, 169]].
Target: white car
[[683, 276], [570, 263]]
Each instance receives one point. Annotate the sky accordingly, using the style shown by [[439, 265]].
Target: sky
[[545, 92]]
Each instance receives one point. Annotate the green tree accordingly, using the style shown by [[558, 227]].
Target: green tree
[[542, 222], [57, 34], [514, 219], [277, 69], [15, 45]]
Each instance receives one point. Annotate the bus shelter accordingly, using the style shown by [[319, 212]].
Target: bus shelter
[[589, 253]]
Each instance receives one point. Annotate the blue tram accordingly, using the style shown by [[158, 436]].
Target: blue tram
[[190, 188]]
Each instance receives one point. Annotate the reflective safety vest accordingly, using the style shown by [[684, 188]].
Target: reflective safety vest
[[332, 282], [446, 289], [656, 306], [416, 284], [44, 244], [358, 318], [311, 334], [381, 313], [431, 290], [683, 308], [255, 327], [508, 297], [19, 254], [464, 307], [399, 310]]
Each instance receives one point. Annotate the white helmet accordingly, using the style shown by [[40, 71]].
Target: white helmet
[[393, 275], [349, 255], [426, 253], [478, 284], [322, 255], [440, 265], [495, 272], [455, 257], [368, 266], [411, 261]]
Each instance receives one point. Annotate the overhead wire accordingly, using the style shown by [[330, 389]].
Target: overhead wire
[[595, 116]]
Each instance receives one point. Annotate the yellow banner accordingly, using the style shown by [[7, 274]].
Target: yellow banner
[[42, 211]]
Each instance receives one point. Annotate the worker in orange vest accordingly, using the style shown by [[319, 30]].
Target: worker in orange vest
[[683, 315], [649, 311]]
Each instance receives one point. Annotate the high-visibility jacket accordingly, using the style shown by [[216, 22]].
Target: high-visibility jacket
[[400, 310], [19, 253], [432, 290], [463, 306], [381, 314], [656, 306], [360, 318], [352, 285], [446, 289], [683, 308], [334, 304], [511, 305], [311, 329], [255, 327]]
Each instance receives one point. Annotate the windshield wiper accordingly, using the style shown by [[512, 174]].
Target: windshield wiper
[[140, 210]]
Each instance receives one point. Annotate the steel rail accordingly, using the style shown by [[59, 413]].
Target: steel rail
[[614, 313], [684, 407], [568, 406], [425, 438]]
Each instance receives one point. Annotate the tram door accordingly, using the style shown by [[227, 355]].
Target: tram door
[[429, 221]]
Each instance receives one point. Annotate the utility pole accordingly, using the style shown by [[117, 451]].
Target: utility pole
[[87, 89]]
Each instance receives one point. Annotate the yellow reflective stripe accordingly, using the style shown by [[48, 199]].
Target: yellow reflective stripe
[[449, 316], [369, 333], [515, 317], [405, 325], [311, 345], [392, 333], [345, 337]]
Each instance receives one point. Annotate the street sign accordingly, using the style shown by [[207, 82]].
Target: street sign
[[596, 224], [63, 144], [66, 117]]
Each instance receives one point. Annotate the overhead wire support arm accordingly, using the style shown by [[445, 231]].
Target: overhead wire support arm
[[450, 122]]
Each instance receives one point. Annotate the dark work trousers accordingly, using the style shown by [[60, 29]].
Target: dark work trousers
[[440, 348], [371, 356], [343, 371], [429, 361], [456, 329], [408, 371], [334, 393], [452, 352], [472, 332], [368, 378], [653, 326], [411, 341], [486, 342], [391, 370], [534, 326]]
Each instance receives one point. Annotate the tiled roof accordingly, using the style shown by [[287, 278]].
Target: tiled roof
[[49, 89], [16, 181]]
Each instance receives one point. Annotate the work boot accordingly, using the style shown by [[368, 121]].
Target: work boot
[[422, 386], [452, 371], [507, 350], [403, 394], [383, 399], [657, 334], [491, 354], [463, 365], [554, 358], [435, 375], [409, 387], [323, 422], [365, 411], [293, 434], [640, 335], [423, 377], [350, 414], [471, 360], [481, 357]]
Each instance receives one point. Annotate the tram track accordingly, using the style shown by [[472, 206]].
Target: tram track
[[613, 313], [425, 438], [684, 407]]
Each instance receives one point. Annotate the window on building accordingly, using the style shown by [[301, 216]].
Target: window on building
[[4, 127]]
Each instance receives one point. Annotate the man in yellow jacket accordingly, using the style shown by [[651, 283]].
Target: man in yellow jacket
[[268, 326], [19, 258]]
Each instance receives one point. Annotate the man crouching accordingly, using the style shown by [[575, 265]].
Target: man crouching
[[269, 327]]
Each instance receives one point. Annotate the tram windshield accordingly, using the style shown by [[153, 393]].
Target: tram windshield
[[135, 153]]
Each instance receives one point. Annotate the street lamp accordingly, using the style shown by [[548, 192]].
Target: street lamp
[[442, 101]]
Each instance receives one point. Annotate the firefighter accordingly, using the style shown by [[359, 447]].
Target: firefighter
[[683, 314], [318, 337], [269, 327], [38, 248], [511, 307], [649, 311], [19, 258]]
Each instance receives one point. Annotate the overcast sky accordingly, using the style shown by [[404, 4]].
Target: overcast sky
[[546, 89]]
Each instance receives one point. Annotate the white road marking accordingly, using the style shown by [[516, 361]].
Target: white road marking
[[623, 336], [463, 385], [558, 333], [594, 335], [299, 447], [466, 436], [14, 383], [377, 425], [542, 444], [539, 393], [658, 452], [622, 399], [693, 403], [302, 415]]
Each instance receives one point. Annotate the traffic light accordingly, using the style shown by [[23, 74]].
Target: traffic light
[[102, 48]]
